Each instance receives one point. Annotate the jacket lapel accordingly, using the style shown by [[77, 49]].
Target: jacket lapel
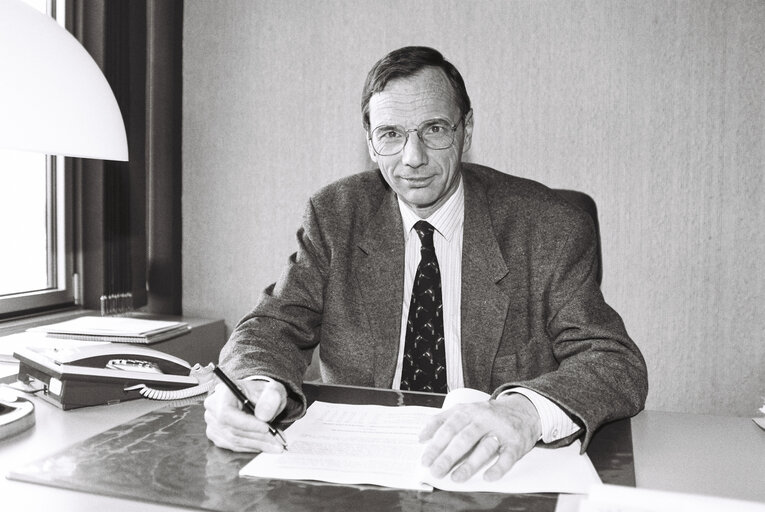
[[485, 299], [379, 268]]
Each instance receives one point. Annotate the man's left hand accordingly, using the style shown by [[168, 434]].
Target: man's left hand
[[468, 436]]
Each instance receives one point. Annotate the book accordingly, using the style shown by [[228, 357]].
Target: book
[[117, 329], [378, 445]]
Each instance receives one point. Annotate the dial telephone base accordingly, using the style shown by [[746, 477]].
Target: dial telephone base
[[102, 374]]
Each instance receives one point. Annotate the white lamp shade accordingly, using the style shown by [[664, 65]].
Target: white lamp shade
[[53, 97]]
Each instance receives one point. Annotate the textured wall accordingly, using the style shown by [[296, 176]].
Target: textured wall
[[657, 109]]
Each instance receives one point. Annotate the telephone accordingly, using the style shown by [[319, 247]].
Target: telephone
[[109, 373]]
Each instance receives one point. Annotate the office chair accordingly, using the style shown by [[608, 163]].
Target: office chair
[[586, 203]]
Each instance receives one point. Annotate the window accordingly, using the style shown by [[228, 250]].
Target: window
[[36, 263]]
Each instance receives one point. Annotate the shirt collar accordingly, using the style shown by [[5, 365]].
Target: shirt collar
[[447, 219]]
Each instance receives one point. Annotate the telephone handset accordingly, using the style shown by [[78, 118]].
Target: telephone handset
[[102, 356], [113, 372]]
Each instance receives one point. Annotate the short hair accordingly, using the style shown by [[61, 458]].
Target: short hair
[[406, 62]]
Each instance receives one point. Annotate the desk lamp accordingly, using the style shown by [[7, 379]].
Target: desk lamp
[[54, 99]]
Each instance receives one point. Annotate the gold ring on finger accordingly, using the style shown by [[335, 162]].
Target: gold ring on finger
[[496, 440]]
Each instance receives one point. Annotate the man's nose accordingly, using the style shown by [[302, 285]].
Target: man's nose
[[414, 153]]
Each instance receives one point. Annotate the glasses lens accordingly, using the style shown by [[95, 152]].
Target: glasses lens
[[388, 140], [436, 134]]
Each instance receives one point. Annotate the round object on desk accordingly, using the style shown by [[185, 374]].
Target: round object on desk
[[16, 414]]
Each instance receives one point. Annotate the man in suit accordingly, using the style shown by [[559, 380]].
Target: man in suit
[[433, 274]]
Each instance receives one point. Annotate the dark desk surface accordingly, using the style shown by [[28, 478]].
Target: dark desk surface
[[164, 457]]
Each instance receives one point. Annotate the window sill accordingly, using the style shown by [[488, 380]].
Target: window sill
[[21, 324]]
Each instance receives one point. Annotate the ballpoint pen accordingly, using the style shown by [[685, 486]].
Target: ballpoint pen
[[246, 403]]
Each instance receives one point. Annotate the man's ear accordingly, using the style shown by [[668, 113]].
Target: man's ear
[[371, 150], [468, 135]]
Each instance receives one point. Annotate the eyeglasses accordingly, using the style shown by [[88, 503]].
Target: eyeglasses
[[434, 133]]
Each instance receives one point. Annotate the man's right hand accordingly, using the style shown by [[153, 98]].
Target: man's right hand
[[230, 427]]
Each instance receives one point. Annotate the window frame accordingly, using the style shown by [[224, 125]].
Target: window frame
[[62, 285], [60, 251]]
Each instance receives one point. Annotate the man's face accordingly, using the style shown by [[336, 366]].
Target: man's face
[[423, 178]]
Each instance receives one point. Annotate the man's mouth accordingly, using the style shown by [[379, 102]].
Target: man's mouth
[[417, 180]]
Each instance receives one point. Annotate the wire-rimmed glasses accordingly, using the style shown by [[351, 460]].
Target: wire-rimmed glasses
[[388, 140]]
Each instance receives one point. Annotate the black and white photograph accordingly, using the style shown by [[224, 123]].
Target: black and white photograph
[[424, 255]]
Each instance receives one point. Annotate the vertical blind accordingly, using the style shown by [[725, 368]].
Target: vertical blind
[[129, 229]]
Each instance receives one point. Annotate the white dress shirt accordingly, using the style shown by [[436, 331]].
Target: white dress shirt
[[447, 240], [448, 222]]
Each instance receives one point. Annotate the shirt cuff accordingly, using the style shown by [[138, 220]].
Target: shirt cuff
[[556, 424], [260, 377]]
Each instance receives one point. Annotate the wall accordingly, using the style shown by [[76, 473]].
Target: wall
[[656, 109]]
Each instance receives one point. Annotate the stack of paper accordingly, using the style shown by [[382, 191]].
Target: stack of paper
[[375, 444], [114, 329]]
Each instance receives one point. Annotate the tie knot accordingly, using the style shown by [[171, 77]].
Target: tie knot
[[425, 232]]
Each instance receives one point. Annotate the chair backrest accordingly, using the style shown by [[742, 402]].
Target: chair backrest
[[586, 203]]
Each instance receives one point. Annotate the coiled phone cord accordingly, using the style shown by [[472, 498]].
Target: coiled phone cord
[[203, 374]]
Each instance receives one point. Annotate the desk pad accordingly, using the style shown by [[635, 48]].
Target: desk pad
[[165, 457]]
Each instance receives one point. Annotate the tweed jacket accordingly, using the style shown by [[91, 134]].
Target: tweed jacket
[[532, 311]]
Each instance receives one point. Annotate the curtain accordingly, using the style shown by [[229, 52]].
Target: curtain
[[128, 231]]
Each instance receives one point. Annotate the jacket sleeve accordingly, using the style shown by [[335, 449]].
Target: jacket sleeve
[[601, 374], [277, 337]]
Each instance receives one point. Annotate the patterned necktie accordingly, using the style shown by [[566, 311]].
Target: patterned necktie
[[424, 366]]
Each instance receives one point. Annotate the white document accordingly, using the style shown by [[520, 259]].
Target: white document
[[617, 498], [560, 470], [13, 342], [375, 444], [350, 444]]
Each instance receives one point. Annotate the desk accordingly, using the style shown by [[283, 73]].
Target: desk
[[56, 429], [660, 462], [711, 455]]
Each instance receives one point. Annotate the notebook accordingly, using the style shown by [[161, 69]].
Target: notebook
[[114, 329]]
